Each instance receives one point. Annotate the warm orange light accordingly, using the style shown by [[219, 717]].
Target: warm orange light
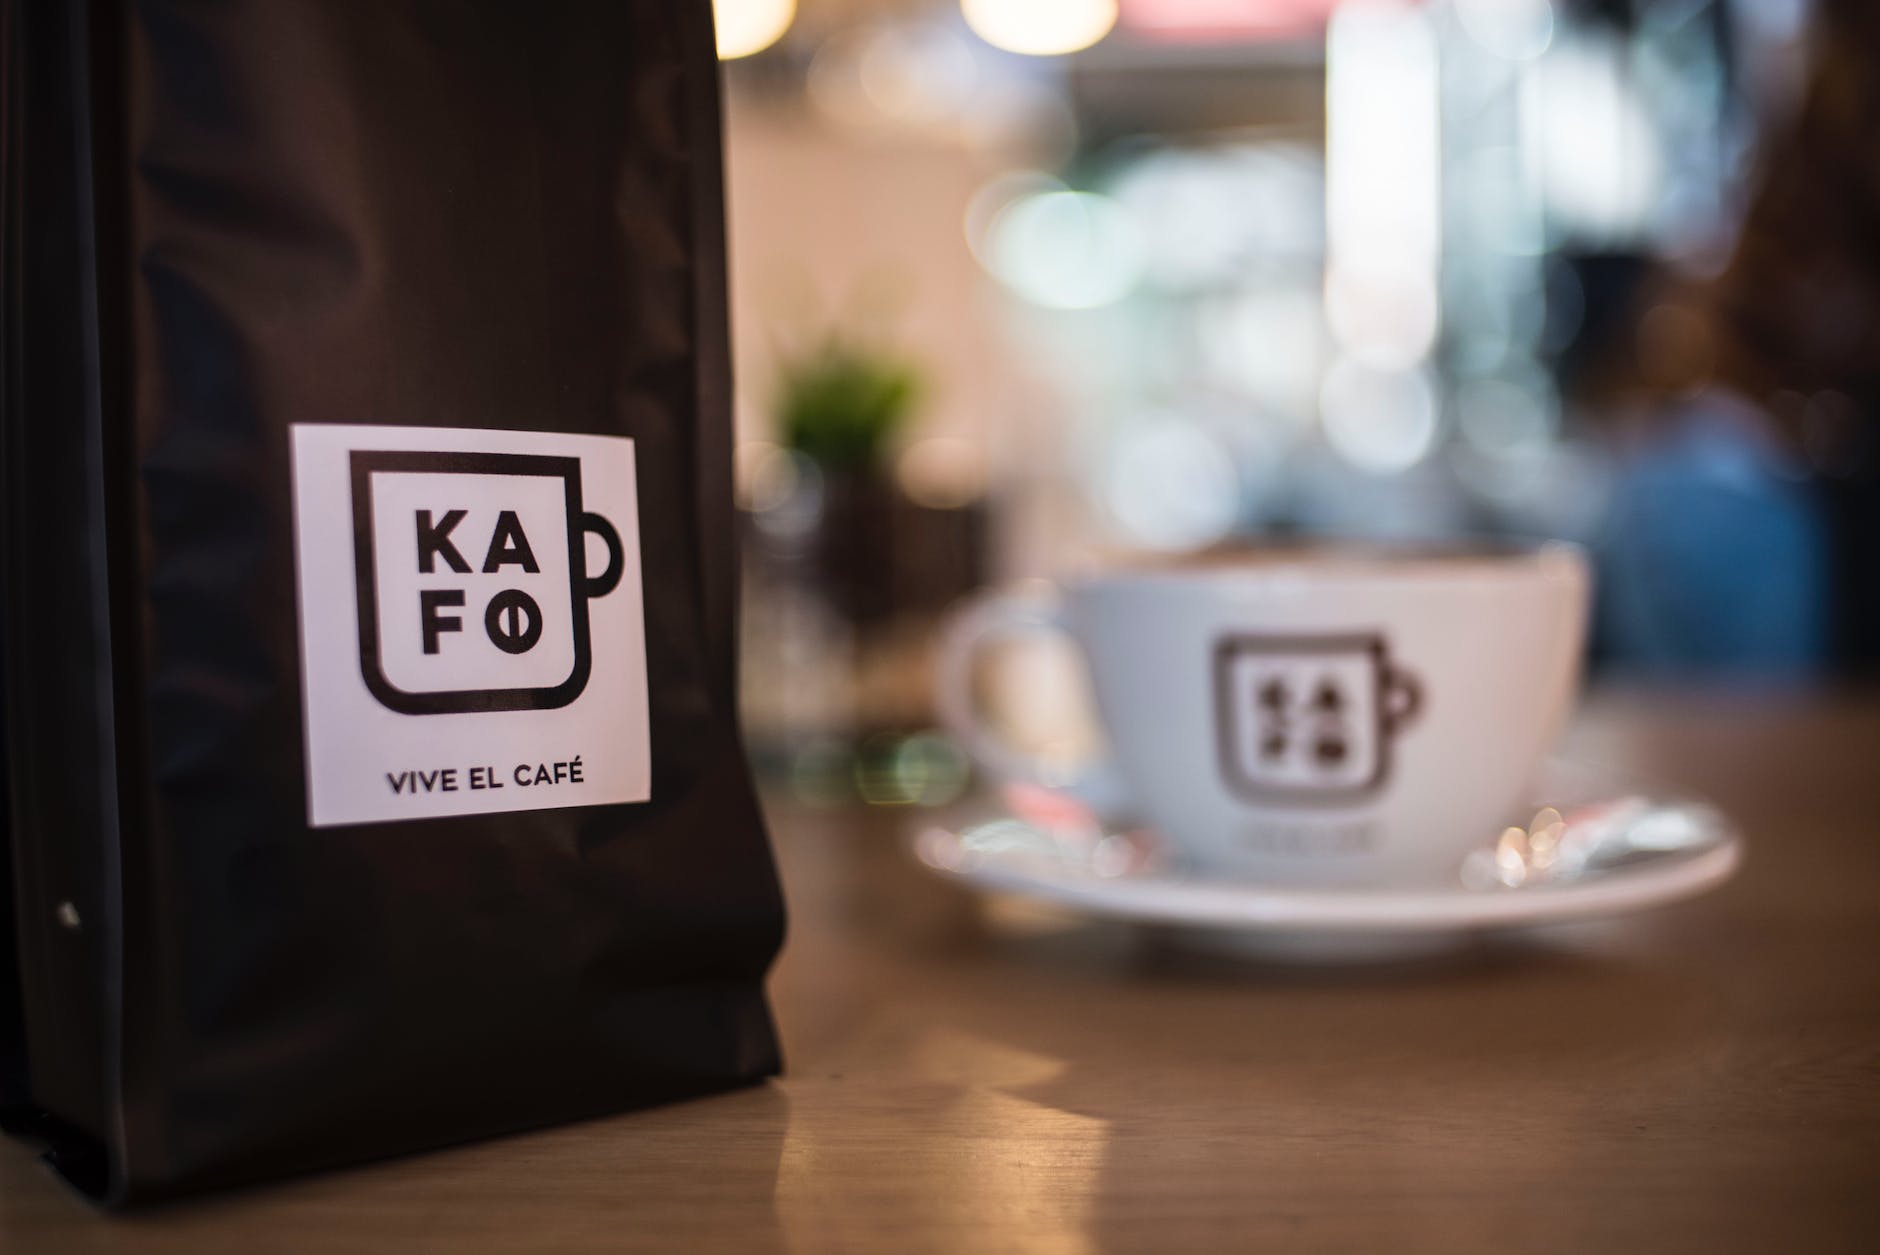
[[748, 26], [1040, 28]]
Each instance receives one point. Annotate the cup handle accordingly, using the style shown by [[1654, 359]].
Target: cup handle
[[604, 583], [1403, 699], [977, 623]]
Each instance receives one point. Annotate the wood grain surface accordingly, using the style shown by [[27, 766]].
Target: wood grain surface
[[969, 1078]]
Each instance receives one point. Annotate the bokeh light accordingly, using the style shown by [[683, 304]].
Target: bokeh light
[[1264, 343], [1040, 28], [993, 198], [924, 769], [1173, 485], [1380, 421], [1383, 172], [918, 76], [1384, 316], [1518, 30], [750, 26], [1065, 250], [913, 76], [1589, 139], [1193, 207]]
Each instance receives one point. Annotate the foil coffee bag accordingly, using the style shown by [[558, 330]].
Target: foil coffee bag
[[366, 582]]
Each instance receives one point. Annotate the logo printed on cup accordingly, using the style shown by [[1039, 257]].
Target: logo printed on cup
[[1258, 714], [472, 638], [1309, 718], [473, 584]]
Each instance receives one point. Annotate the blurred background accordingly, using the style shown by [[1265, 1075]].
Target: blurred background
[[1022, 287]]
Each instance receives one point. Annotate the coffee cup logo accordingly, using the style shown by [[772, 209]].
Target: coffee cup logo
[[473, 579], [1309, 719]]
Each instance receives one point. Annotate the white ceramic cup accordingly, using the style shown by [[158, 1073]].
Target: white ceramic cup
[[1315, 717]]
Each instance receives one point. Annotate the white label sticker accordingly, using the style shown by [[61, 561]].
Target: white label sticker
[[471, 635]]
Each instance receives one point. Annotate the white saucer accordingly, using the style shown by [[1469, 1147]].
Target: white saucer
[[1593, 847]]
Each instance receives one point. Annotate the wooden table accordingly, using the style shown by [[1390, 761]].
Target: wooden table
[[1703, 1078]]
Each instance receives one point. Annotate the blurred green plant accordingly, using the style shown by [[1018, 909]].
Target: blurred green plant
[[841, 404]]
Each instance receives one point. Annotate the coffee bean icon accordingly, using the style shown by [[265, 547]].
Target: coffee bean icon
[[513, 621]]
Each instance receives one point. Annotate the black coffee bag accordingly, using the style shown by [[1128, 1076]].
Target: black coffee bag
[[370, 747]]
